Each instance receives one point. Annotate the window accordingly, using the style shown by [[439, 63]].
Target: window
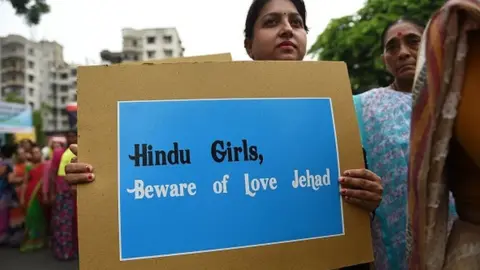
[[75, 97], [31, 91], [135, 57], [134, 43], [64, 76], [31, 51], [31, 64], [64, 99], [167, 39], [168, 53], [74, 72], [31, 78], [32, 105], [64, 87], [53, 75], [151, 54], [65, 122], [151, 40]]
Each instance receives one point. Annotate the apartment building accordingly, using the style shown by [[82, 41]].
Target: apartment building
[[35, 73], [147, 44], [62, 90]]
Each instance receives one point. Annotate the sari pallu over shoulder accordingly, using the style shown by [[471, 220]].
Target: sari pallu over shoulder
[[437, 94], [35, 219]]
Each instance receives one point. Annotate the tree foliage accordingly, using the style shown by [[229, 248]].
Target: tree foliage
[[356, 39], [32, 10]]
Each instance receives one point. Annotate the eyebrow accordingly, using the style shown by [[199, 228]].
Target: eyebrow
[[281, 13], [408, 35]]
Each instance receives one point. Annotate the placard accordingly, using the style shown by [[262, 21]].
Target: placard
[[219, 166], [221, 57]]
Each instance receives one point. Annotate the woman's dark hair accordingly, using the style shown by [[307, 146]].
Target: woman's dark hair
[[8, 150], [418, 25], [258, 5], [30, 142]]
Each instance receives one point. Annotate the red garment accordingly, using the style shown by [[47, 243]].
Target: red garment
[[35, 175]]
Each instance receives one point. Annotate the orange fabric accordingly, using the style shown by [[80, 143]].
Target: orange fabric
[[20, 169], [467, 129]]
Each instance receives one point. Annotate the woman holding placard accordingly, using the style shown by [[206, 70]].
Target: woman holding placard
[[276, 30]]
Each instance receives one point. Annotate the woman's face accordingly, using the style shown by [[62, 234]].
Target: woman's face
[[278, 33], [401, 47], [21, 155]]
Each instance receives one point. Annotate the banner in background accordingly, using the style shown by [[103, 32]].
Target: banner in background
[[15, 118]]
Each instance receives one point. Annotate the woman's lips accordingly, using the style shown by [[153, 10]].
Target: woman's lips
[[406, 67], [286, 45]]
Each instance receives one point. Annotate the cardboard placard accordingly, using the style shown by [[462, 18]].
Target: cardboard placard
[[221, 57], [229, 165]]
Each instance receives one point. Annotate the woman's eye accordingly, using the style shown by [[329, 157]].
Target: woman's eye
[[414, 41], [390, 47], [297, 23], [269, 22]]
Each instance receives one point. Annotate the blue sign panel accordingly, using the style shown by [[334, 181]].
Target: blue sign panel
[[208, 175]]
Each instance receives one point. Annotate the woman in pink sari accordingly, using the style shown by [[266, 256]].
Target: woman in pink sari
[[64, 212]]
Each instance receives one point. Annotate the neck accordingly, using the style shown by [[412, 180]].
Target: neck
[[403, 85], [36, 162]]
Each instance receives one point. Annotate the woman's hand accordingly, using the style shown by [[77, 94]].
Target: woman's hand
[[78, 173], [362, 187]]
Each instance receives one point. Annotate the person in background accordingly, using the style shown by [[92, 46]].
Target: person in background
[[20, 167], [17, 214], [65, 243], [384, 116], [47, 150], [7, 153], [276, 30], [32, 200], [7, 195], [27, 145], [445, 142]]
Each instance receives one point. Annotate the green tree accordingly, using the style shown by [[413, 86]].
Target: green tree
[[356, 39], [32, 10]]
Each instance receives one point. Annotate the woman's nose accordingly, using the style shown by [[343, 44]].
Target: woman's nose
[[404, 52], [286, 30]]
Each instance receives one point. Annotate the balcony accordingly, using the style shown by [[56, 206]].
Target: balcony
[[12, 69], [131, 48], [14, 40], [6, 82], [19, 54], [16, 92], [132, 45]]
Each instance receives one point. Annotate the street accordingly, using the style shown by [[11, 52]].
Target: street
[[13, 259]]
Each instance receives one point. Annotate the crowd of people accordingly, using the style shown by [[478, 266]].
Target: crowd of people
[[37, 207], [275, 30]]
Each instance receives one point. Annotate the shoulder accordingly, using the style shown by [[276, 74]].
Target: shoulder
[[374, 92]]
